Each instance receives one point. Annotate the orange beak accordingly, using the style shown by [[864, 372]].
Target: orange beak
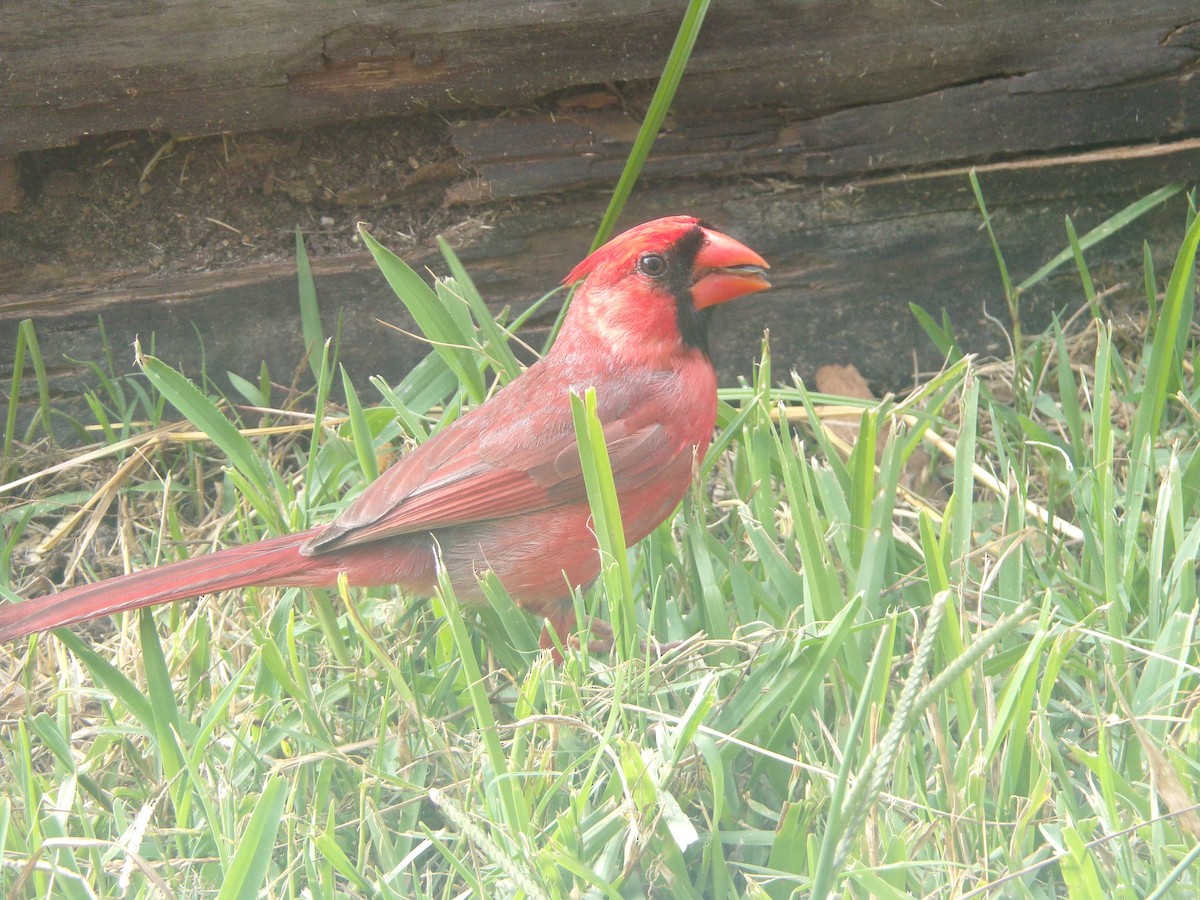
[[725, 269]]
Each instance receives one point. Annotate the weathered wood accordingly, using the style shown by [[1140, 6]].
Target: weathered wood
[[10, 189], [846, 263], [196, 67], [533, 153]]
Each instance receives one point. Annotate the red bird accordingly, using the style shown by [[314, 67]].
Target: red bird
[[501, 488]]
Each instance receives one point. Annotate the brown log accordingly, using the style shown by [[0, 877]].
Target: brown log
[[846, 264], [193, 67]]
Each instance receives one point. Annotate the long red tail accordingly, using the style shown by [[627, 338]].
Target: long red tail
[[271, 562]]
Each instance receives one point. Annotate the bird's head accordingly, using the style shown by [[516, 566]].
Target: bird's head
[[648, 291]]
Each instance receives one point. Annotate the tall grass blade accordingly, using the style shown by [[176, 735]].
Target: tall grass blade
[[512, 806], [1085, 276], [310, 311], [495, 339], [27, 347], [436, 322], [1010, 292], [1104, 230], [262, 492], [360, 432], [942, 334], [606, 514], [1164, 345], [837, 820], [656, 114], [248, 869], [162, 697], [14, 403], [111, 679]]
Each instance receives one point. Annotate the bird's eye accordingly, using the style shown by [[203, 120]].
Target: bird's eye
[[652, 264]]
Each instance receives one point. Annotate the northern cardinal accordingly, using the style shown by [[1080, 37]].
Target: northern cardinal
[[501, 488]]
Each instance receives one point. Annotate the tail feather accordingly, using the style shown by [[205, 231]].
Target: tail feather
[[272, 562]]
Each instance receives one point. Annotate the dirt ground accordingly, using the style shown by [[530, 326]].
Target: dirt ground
[[149, 204]]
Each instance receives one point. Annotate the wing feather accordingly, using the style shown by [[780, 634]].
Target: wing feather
[[492, 464]]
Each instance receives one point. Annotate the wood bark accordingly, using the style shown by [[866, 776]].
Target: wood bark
[[846, 263], [198, 67]]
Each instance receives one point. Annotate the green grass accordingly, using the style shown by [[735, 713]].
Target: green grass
[[959, 661]]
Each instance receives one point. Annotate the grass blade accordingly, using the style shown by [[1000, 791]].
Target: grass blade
[[495, 339], [360, 432], [656, 114], [1163, 346], [310, 312], [436, 322], [203, 413], [247, 871], [1104, 230], [606, 514]]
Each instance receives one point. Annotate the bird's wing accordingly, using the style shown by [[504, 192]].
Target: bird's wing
[[492, 466]]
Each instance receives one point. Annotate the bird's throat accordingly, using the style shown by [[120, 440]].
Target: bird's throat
[[693, 324]]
